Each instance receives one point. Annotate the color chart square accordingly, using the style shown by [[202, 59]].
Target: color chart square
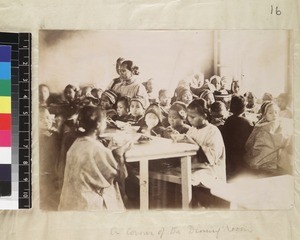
[[5, 70], [5, 172], [5, 188], [5, 155], [5, 53], [5, 122], [5, 104], [5, 88], [5, 138]]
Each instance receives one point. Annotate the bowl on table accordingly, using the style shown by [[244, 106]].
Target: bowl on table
[[143, 139]]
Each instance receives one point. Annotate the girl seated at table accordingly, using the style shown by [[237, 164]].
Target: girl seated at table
[[216, 81], [137, 110], [269, 147], [251, 105], [209, 165], [153, 118], [96, 94], [44, 95], [122, 110], [92, 171], [267, 97], [282, 102], [184, 95], [236, 131], [108, 101], [164, 100], [49, 138], [208, 96], [176, 119], [218, 114]]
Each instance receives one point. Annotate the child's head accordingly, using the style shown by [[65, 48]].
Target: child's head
[[108, 100], [218, 110], [237, 104], [122, 106], [97, 93], [185, 95], [250, 98], [208, 96], [137, 106], [86, 91], [267, 97], [164, 97], [235, 87], [70, 92], [197, 80], [216, 81], [197, 112], [153, 116], [283, 101], [44, 93], [177, 114], [223, 82], [91, 120], [149, 85], [269, 111]]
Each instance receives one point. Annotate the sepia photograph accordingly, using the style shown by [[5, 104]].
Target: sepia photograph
[[165, 120]]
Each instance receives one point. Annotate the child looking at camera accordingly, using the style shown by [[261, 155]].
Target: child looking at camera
[[136, 110], [184, 95], [122, 110], [164, 102], [70, 92], [269, 146], [92, 170]]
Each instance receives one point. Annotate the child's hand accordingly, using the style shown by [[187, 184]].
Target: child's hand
[[188, 139], [121, 150], [183, 138]]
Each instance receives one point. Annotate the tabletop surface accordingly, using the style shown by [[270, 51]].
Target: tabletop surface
[[156, 148]]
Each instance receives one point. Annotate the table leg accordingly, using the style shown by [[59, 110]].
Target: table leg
[[186, 182], [144, 185]]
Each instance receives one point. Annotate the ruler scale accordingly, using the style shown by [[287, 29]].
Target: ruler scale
[[24, 120], [21, 116]]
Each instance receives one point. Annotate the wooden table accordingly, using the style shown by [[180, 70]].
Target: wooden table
[[161, 148], [258, 194]]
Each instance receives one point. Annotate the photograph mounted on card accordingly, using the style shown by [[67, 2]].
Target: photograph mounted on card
[[165, 120]]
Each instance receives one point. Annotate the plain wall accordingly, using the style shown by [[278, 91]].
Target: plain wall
[[88, 57], [258, 59]]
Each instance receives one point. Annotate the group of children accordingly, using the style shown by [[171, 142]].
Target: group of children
[[200, 111]]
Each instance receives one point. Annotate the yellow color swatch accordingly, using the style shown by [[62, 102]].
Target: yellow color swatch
[[5, 104]]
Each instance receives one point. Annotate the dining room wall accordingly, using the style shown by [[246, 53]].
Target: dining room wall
[[88, 57]]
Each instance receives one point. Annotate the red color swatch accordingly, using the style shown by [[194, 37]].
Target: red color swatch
[[5, 121]]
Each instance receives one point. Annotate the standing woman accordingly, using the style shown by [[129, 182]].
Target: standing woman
[[92, 170], [130, 87], [118, 79]]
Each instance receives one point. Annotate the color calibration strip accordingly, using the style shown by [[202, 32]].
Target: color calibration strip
[[5, 121], [20, 93]]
